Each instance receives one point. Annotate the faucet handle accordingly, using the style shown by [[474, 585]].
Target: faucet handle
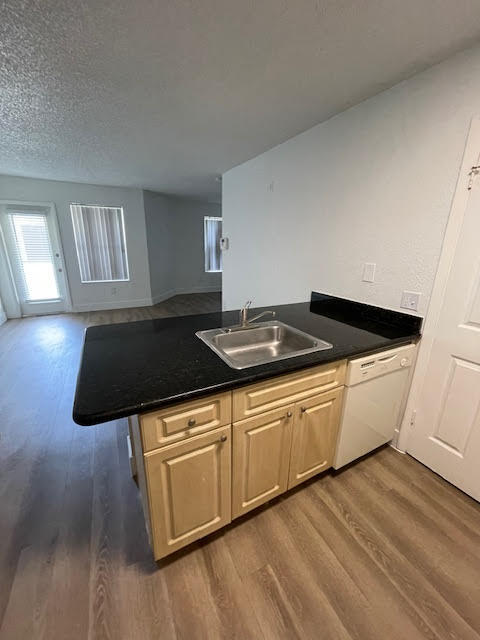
[[247, 304]]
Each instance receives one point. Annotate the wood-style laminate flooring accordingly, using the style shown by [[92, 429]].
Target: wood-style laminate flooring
[[384, 550]]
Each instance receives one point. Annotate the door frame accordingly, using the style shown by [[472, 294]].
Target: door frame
[[471, 157], [8, 287]]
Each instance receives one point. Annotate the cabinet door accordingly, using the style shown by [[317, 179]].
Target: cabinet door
[[314, 435], [261, 455], [189, 489]]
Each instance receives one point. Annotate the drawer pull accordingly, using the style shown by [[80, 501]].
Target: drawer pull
[[303, 409], [192, 422], [289, 414], [222, 438]]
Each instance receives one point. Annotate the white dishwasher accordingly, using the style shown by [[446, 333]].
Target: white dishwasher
[[375, 390]]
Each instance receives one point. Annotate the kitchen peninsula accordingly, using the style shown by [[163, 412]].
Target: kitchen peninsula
[[212, 442]]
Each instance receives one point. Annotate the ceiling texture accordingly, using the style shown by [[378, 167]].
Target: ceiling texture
[[167, 94]]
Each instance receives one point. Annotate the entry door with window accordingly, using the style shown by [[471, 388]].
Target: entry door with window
[[446, 436], [34, 255]]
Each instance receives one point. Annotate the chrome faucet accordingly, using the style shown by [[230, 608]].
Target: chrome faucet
[[245, 321]]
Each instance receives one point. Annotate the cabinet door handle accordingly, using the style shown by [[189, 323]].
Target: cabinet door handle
[[192, 422], [222, 438], [303, 409], [289, 414]]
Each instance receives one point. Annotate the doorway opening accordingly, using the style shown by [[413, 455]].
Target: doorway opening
[[34, 259]]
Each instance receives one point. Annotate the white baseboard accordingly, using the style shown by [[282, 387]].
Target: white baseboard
[[117, 304], [397, 449], [3, 317], [207, 289], [144, 302]]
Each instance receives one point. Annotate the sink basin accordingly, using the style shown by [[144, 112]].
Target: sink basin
[[261, 343]]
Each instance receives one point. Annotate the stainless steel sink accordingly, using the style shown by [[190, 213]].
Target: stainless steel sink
[[260, 343]]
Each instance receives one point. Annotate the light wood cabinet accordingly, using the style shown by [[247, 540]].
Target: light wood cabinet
[[314, 435], [189, 489], [260, 458], [282, 390], [196, 470], [166, 426]]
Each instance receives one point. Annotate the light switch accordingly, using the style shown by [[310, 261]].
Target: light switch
[[410, 300], [369, 272]]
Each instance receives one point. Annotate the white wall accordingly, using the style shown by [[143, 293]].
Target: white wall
[[372, 184], [3, 315], [10, 304], [89, 296], [161, 250], [175, 245]]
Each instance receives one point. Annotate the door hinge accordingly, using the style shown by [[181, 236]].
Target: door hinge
[[412, 418], [474, 171]]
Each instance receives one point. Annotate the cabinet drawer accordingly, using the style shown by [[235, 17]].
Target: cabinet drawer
[[264, 396], [181, 421]]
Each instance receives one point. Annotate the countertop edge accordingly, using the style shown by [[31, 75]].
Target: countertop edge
[[88, 420]]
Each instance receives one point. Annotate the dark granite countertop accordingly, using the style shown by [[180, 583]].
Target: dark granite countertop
[[139, 366]]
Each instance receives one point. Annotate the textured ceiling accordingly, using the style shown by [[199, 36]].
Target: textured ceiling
[[168, 94]]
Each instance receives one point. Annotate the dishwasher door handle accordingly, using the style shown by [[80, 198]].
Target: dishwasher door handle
[[388, 358]]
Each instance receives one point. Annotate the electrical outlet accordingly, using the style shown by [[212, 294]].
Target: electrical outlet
[[410, 300], [369, 272]]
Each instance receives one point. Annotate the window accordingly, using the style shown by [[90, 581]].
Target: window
[[212, 235], [32, 255], [100, 242]]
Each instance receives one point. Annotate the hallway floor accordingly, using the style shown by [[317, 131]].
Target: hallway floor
[[384, 550]]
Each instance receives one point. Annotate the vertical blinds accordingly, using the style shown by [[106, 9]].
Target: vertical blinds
[[100, 242], [33, 256], [212, 235]]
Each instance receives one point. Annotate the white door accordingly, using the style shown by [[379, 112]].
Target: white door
[[446, 434], [33, 248]]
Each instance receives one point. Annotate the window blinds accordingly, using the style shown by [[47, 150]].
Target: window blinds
[[212, 235], [100, 242], [32, 256]]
